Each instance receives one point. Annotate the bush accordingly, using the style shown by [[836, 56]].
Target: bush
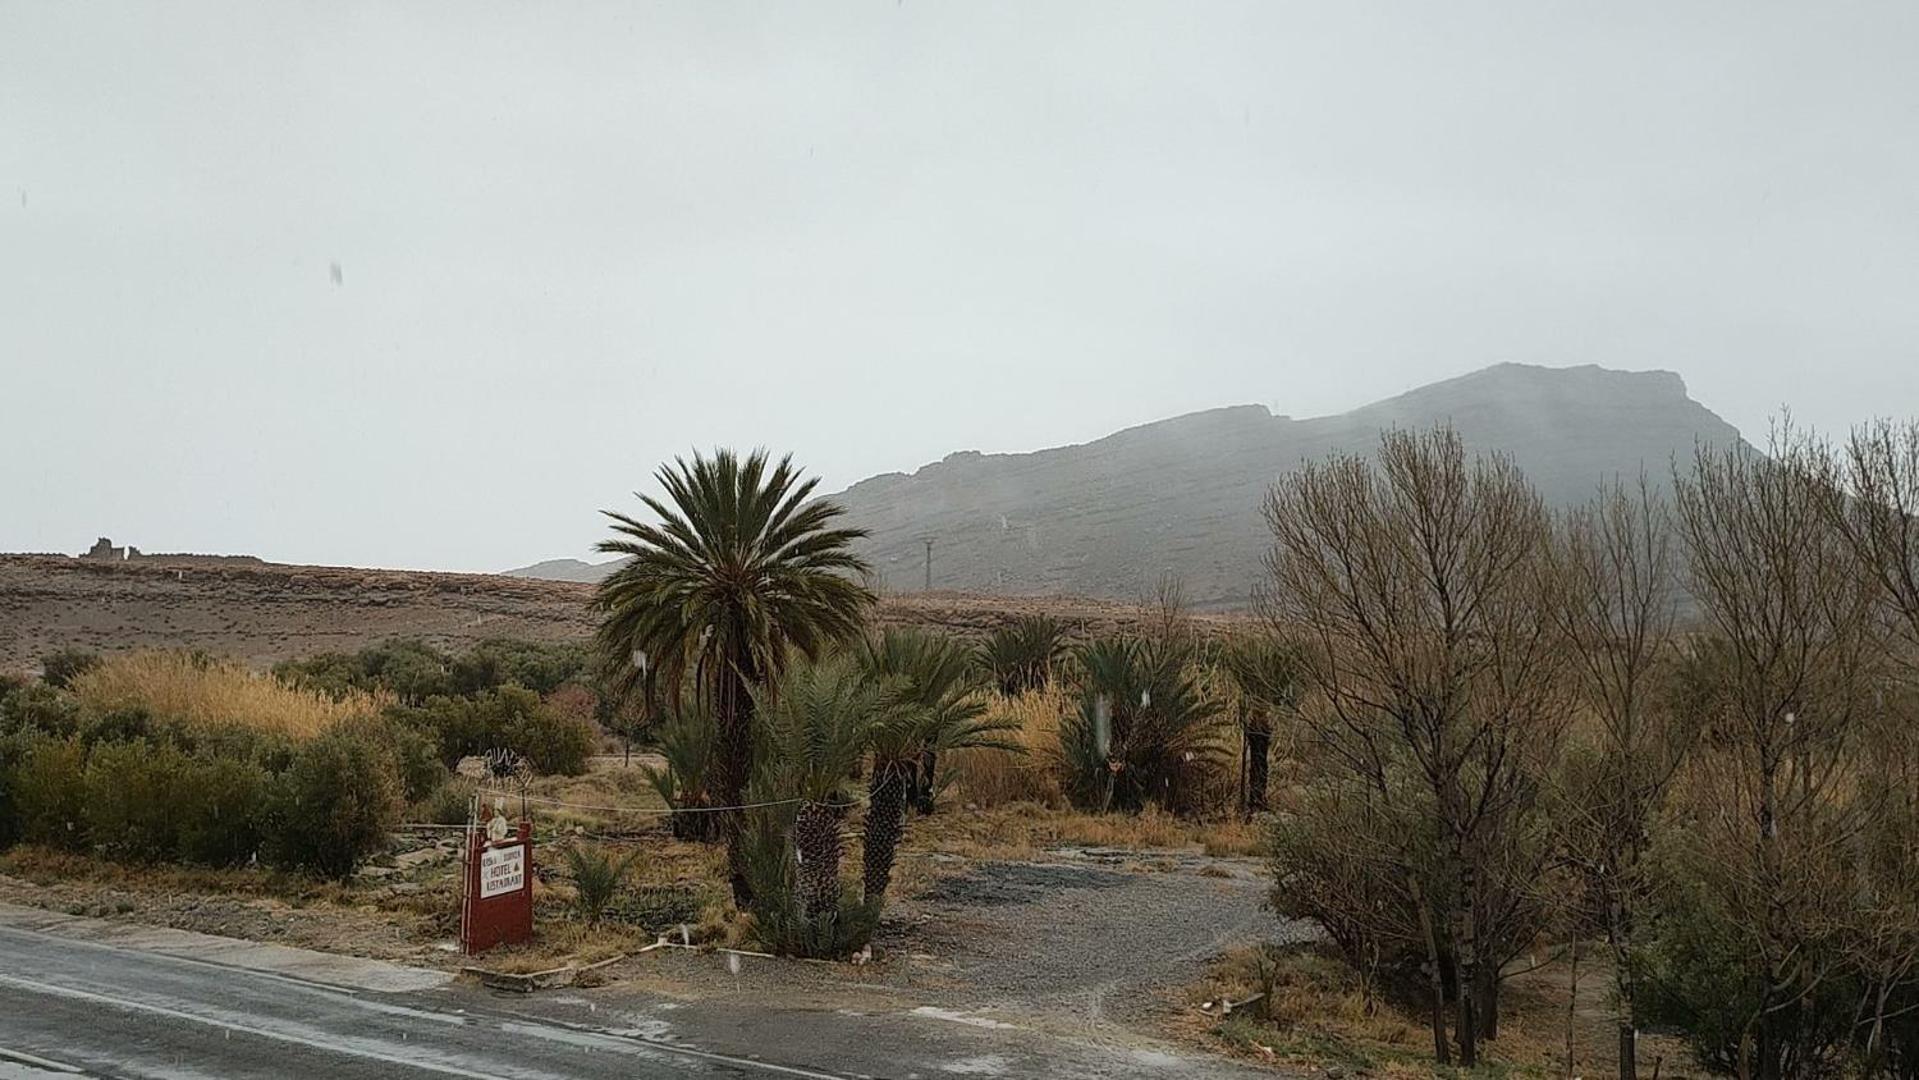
[[551, 743], [222, 809], [334, 805], [512, 718], [11, 747], [414, 753], [38, 708], [133, 802], [500, 662], [1022, 657], [448, 804], [58, 669], [49, 792], [115, 726]]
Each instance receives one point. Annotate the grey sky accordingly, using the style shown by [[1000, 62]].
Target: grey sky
[[574, 240]]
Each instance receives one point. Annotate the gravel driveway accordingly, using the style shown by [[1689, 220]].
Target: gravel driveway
[[1096, 933]]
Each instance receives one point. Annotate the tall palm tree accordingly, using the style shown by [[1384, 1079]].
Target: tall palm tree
[[739, 569], [815, 728], [934, 676]]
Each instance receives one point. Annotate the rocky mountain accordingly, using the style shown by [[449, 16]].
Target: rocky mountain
[[1108, 518]]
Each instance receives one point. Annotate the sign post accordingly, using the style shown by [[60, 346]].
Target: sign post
[[496, 905]]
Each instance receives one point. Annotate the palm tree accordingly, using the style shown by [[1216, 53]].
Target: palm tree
[[1022, 655], [815, 731], [1266, 671], [1145, 730], [739, 569], [933, 676]]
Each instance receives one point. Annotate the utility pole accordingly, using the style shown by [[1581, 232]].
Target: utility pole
[[928, 541]]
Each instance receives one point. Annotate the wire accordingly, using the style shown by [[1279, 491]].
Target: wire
[[667, 811]]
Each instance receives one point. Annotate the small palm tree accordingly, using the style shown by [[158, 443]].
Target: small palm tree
[[739, 569], [933, 677], [686, 742], [1144, 729], [817, 724], [597, 876], [1021, 657]]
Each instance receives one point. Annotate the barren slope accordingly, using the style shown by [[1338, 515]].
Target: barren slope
[[269, 611]]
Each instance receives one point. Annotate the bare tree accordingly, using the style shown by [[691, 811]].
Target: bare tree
[[1772, 798], [1423, 588], [1873, 489], [1618, 624]]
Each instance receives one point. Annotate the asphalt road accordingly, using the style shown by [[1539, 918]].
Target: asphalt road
[[75, 1007]]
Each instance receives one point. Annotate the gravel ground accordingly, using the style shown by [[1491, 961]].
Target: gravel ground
[[1100, 934]]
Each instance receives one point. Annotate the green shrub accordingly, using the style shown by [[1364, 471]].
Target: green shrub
[[115, 726], [334, 805], [1145, 731], [50, 792], [38, 708], [1023, 656], [133, 803], [686, 742], [223, 805], [498, 662], [552, 743], [11, 749], [414, 752], [448, 804], [512, 718], [271, 751], [58, 669]]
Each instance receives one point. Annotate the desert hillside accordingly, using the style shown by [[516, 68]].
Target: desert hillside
[[1109, 517], [264, 612]]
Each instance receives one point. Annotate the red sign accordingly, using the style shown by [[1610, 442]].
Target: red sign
[[497, 898]]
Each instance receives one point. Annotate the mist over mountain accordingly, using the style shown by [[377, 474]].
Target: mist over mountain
[[1107, 518]]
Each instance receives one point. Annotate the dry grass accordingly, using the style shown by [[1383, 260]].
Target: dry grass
[[1316, 1015], [997, 778], [1022, 830], [196, 690]]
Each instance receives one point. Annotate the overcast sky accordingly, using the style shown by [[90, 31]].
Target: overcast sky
[[574, 240]]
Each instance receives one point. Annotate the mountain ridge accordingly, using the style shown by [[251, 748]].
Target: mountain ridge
[[1182, 495]]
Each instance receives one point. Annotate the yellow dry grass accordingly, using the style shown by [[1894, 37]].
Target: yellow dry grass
[[195, 689], [996, 777]]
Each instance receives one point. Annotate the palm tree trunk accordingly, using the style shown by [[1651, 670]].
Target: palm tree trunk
[[923, 790], [733, 764], [816, 838], [885, 824], [1259, 747]]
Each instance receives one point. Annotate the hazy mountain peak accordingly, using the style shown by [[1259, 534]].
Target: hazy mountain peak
[[1106, 518]]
